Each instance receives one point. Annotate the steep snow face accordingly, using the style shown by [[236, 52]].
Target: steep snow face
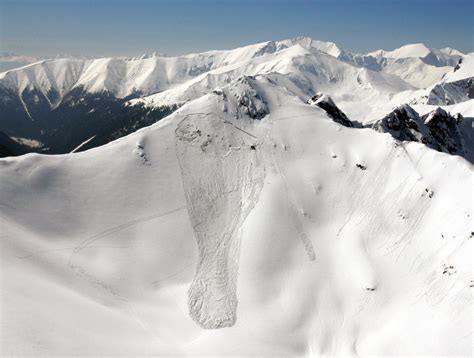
[[58, 76], [462, 70], [454, 91], [456, 86], [286, 235], [448, 93]]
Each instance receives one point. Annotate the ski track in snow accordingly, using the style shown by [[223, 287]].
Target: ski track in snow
[[294, 216], [117, 228], [222, 178]]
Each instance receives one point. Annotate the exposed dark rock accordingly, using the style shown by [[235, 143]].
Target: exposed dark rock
[[326, 103], [403, 123], [10, 147], [444, 130], [438, 129], [451, 92], [458, 65]]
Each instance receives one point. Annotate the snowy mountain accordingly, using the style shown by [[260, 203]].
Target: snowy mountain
[[283, 198], [435, 57], [64, 102], [247, 222], [455, 87], [416, 64]]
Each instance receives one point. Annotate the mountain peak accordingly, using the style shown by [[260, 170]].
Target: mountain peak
[[410, 50], [311, 45]]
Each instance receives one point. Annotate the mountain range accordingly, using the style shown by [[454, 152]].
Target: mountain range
[[63, 102], [284, 198]]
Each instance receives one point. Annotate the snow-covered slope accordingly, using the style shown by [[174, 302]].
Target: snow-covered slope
[[290, 233], [431, 56], [464, 69], [358, 83], [456, 86], [415, 71], [301, 72], [123, 77]]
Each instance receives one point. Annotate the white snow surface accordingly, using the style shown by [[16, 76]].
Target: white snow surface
[[146, 74], [308, 65], [213, 234], [446, 56], [410, 50], [416, 72], [466, 69]]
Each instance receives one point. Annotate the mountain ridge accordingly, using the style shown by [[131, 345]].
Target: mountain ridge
[[36, 98], [220, 228]]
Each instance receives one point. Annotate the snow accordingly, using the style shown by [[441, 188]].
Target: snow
[[466, 69], [247, 222], [410, 50], [431, 56], [82, 144], [308, 66], [218, 248], [301, 72], [28, 142], [416, 72], [466, 109]]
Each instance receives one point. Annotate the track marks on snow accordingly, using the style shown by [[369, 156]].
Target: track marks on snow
[[222, 176], [117, 228]]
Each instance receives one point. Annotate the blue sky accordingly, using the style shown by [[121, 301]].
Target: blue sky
[[132, 27]]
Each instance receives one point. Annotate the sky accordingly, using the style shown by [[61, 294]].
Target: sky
[[134, 27]]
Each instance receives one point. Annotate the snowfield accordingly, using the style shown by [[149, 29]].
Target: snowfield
[[247, 223]]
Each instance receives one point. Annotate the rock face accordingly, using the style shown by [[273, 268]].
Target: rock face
[[249, 102], [438, 129], [404, 124], [452, 92], [326, 103], [445, 132]]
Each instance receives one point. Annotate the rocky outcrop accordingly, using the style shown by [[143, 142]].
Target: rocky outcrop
[[438, 129], [404, 124], [452, 92], [248, 101], [445, 131], [327, 104]]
